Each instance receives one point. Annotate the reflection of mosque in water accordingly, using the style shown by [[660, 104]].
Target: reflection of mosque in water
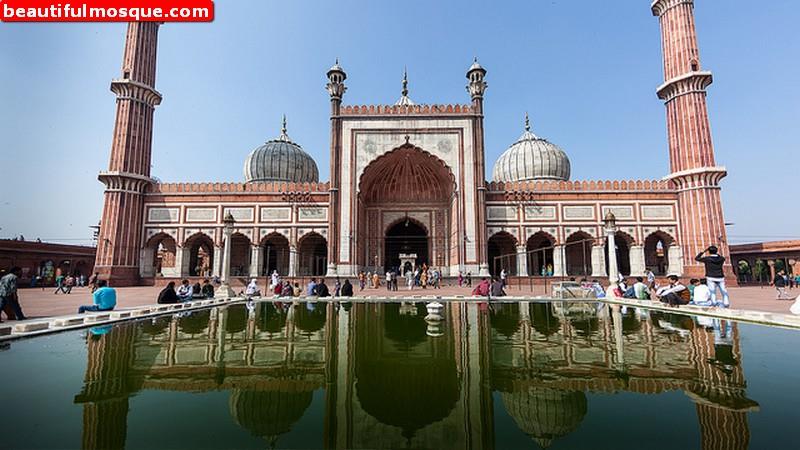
[[387, 383]]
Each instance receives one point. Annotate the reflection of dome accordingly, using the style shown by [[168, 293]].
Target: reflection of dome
[[154, 327], [543, 320], [280, 160], [269, 413], [532, 158], [407, 393], [545, 414]]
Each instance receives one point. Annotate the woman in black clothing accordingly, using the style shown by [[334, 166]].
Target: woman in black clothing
[[347, 289], [168, 295]]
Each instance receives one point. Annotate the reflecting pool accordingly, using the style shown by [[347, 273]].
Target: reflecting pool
[[341, 375]]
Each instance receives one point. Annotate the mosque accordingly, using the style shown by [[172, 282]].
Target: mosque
[[408, 187]]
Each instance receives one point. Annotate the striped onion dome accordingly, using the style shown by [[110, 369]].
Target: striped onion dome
[[280, 160], [545, 414], [532, 158]]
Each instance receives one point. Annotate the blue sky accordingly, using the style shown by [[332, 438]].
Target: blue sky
[[585, 71]]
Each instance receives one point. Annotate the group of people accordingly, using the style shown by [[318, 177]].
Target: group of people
[[782, 281], [422, 277], [494, 287], [186, 292]]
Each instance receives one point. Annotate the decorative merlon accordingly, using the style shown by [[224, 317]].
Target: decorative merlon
[[396, 110], [584, 186], [685, 84], [269, 187]]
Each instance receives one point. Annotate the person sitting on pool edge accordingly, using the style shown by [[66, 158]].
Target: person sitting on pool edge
[[208, 289], [104, 298], [675, 293], [168, 295], [185, 291]]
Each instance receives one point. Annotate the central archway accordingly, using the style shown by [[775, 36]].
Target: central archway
[[405, 237], [406, 204]]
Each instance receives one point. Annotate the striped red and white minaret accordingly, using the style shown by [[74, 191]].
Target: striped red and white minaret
[[128, 174], [691, 151]]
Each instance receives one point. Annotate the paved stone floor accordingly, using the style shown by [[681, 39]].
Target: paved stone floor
[[43, 303]]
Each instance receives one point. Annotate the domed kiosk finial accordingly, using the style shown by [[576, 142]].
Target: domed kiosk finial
[[284, 137], [527, 122], [404, 100]]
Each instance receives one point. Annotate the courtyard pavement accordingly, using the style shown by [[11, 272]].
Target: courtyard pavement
[[37, 303]]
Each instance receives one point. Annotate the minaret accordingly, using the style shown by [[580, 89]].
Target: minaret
[[336, 89], [691, 152], [128, 174], [476, 88]]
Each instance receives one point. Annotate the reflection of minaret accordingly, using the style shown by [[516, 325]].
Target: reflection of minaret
[[105, 390], [719, 393]]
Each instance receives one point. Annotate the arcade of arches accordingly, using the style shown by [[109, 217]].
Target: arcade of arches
[[581, 255], [406, 206], [200, 257]]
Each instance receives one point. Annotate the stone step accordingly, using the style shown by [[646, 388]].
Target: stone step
[[68, 321], [27, 327], [94, 318]]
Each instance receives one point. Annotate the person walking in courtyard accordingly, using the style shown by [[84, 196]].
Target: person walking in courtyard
[[337, 288], [780, 285], [714, 274], [504, 277], [361, 280], [60, 284], [460, 279], [103, 299], [388, 280], [410, 280], [311, 288], [93, 282], [469, 279], [69, 283], [376, 280], [8, 293]]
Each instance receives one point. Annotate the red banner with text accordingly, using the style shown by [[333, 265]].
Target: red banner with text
[[107, 11]]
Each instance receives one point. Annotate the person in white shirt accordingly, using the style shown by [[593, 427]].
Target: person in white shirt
[[701, 296], [274, 280], [252, 289], [675, 293], [185, 291], [503, 276], [651, 278]]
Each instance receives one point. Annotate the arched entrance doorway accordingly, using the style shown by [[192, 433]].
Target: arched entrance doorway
[[406, 237], [201, 255], [240, 255], [502, 253], [578, 254], [275, 248], [406, 186], [540, 254], [656, 252], [158, 258], [313, 255]]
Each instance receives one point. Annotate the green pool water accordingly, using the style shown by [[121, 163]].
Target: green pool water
[[331, 375]]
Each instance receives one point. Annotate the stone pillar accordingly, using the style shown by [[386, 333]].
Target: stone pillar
[[637, 260], [675, 260], [225, 291], [599, 261], [559, 259], [182, 262], [522, 261], [217, 263], [146, 256], [294, 262], [336, 90], [256, 255]]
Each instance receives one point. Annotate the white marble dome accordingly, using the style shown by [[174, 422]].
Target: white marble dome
[[532, 158], [280, 160]]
